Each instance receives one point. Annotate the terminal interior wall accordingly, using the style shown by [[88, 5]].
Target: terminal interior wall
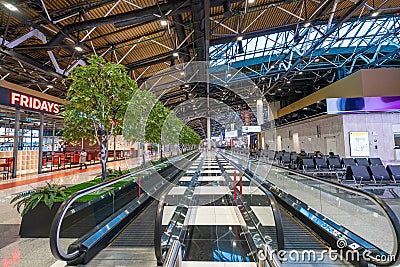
[[380, 132], [313, 135]]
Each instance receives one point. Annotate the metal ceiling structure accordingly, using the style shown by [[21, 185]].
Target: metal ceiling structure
[[289, 48]]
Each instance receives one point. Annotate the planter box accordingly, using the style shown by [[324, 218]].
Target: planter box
[[37, 222]]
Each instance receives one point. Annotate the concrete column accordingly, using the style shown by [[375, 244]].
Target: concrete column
[[41, 129], [16, 140]]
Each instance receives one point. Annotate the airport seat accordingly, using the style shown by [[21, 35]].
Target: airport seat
[[359, 174], [348, 162], [334, 163], [362, 162], [394, 172], [375, 161], [286, 160], [379, 173], [308, 165], [321, 164]]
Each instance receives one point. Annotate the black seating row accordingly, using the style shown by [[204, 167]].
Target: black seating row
[[373, 174]]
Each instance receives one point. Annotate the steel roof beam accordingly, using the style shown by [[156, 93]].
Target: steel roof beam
[[318, 42]]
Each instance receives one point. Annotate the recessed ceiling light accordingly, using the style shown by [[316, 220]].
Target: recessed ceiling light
[[317, 60], [186, 85], [251, 1], [50, 86], [229, 75], [375, 14], [10, 7], [164, 22], [279, 89], [300, 72], [307, 24], [263, 78], [182, 73], [175, 54], [78, 48], [239, 38], [272, 67], [288, 82]]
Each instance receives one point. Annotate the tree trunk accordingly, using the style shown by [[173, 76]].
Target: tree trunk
[[115, 154], [144, 155], [103, 158]]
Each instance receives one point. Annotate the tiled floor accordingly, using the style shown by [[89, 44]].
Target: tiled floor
[[35, 252]]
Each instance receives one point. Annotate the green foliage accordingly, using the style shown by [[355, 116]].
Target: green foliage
[[112, 173], [30, 199], [161, 126], [98, 95], [98, 98]]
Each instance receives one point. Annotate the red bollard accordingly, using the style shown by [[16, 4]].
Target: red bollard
[[241, 186], [234, 185], [139, 178]]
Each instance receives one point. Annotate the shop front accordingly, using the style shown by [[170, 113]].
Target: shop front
[[30, 127]]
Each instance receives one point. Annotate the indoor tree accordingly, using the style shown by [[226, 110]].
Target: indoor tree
[[98, 97]]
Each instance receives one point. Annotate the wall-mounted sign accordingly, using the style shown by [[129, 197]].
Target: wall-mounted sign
[[359, 144], [363, 104], [24, 101], [251, 129], [231, 134]]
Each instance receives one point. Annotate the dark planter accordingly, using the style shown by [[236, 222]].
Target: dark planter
[[37, 222]]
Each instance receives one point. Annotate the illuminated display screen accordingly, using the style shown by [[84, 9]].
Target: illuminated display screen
[[363, 104]]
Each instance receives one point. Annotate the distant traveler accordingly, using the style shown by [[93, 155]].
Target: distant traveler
[[82, 159], [332, 155], [318, 154], [299, 158]]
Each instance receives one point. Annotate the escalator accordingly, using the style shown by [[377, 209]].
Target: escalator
[[342, 225], [134, 246], [119, 217], [214, 224]]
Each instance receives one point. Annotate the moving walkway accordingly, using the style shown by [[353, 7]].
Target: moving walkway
[[345, 219]]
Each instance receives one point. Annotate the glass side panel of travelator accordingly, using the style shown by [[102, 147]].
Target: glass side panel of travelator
[[357, 220], [89, 219], [217, 216]]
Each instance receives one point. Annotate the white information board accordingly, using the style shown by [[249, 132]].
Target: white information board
[[359, 144], [251, 129]]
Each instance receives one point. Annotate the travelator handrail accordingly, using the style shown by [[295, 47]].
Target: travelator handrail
[[174, 255], [55, 229], [388, 212], [274, 205]]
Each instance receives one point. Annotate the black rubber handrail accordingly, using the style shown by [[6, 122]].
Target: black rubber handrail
[[388, 212], [157, 230], [274, 206], [62, 210]]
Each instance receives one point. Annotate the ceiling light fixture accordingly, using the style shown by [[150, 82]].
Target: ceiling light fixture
[[317, 60], [279, 89], [300, 73], [50, 86], [175, 54], [263, 78], [288, 82], [10, 7], [182, 73], [251, 1], [78, 48], [272, 67], [164, 22], [307, 24], [375, 13], [239, 38]]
